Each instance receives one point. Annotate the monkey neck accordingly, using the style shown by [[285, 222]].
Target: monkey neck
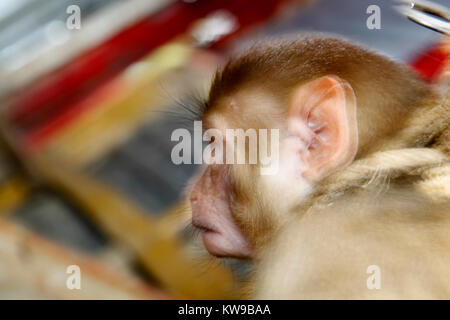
[[425, 171], [441, 118], [413, 154], [423, 141]]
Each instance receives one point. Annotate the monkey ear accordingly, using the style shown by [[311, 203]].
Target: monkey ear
[[322, 113]]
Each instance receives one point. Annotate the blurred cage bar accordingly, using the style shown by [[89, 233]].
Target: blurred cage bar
[[86, 125], [86, 176]]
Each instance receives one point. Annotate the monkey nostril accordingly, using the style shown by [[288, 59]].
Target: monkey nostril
[[194, 198]]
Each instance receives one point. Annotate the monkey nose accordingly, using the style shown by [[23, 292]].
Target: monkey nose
[[193, 198]]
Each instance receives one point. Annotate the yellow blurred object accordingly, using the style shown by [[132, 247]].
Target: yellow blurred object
[[34, 268], [12, 194], [156, 246], [124, 106]]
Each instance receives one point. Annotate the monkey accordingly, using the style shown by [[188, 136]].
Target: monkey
[[363, 142]]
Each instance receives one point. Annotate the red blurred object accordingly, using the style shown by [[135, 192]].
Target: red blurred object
[[41, 109], [34, 138], [431, 63]]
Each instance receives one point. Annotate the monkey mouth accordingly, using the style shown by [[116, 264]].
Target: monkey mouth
[[221, 243], [203, 227]]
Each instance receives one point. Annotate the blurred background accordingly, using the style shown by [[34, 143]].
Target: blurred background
[[90, 93]]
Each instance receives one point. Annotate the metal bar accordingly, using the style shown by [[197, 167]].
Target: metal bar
[[427, 14]]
